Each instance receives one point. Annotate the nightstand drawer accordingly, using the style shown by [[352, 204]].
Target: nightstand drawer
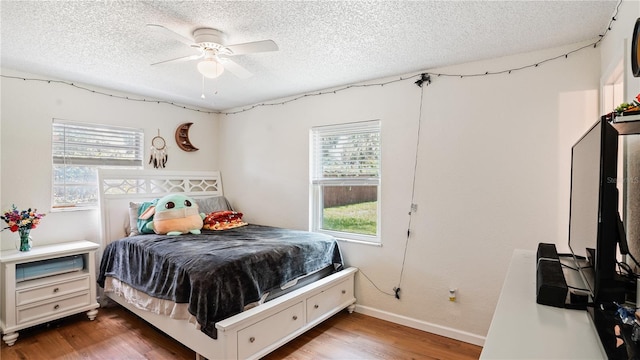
[[61, 304], [48, 291]]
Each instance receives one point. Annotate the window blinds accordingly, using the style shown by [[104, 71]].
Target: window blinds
[[97, 145], [347, 153]]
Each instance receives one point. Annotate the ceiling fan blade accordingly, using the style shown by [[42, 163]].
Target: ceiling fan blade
[[235, 69], [253, 47], [180, 59], [171, 34]]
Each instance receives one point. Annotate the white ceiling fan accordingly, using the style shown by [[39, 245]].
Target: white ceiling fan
[[214, 52]]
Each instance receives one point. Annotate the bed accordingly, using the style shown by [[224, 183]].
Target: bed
[[255, 312]]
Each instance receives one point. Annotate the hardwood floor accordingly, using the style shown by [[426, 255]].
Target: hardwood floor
[[118, 334]]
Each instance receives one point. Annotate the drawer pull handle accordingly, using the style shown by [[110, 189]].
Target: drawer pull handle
[[316, 306], [252, 339], [344, 291], [295, 317], [55, 290], [56, 307]]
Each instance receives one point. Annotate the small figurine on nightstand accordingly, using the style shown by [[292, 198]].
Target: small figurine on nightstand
[[22, 221]]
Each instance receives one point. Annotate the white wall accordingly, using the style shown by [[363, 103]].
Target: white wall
[[617, 45], [28, 108], [487, 178]]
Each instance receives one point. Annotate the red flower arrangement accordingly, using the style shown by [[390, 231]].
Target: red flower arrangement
[[21, 219]]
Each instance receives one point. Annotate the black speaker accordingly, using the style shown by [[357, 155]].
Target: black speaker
[[547, 251], [551, 286]]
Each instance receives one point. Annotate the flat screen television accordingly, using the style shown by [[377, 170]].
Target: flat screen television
[[593, 214]]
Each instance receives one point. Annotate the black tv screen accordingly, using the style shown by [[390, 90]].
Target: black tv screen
[[593, 214]]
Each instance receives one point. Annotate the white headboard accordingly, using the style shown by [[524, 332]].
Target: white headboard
[[119, 187]]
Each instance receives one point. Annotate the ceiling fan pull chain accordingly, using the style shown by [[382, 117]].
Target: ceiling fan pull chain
[[202, 96]]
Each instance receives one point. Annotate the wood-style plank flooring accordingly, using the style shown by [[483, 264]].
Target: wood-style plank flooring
[[118, 334]]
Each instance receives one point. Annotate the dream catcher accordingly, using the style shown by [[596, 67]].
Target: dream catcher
[[158, 151]]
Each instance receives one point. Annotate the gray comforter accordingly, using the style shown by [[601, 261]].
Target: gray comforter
[[218, 272]]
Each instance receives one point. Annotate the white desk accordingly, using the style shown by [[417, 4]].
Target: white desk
[[523, 329]]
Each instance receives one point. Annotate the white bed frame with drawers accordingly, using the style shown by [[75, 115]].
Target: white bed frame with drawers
[[250, 334]]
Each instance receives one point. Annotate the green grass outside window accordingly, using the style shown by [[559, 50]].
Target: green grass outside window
[[357, 218]]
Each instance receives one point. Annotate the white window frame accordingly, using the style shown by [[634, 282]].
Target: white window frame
[[318, 180], [73, 145]]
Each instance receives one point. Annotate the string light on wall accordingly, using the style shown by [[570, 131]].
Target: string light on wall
[[68, 83], [422, 78]]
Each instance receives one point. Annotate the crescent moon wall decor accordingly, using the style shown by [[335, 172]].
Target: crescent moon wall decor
[[635, 50], [182, 138]]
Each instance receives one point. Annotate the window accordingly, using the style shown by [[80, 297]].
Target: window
[[78, 151], [345, 180]]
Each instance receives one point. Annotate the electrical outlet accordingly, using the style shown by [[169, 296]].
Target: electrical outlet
[[452, 294]]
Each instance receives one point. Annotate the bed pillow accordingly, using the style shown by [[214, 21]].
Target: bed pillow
[[131, 228], [212, 204]]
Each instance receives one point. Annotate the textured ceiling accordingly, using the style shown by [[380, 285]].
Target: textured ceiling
[[322, 43]]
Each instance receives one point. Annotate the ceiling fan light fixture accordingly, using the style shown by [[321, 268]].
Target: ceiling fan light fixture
[[210, 68]]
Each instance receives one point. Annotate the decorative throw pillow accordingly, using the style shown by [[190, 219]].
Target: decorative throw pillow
[[223, 220]]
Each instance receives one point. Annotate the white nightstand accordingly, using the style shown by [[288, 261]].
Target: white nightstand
[[32, 302]]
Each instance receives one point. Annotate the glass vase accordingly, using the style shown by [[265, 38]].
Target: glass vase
[[25, 239]]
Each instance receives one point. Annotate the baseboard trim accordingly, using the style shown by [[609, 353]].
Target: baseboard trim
[[422, 325]]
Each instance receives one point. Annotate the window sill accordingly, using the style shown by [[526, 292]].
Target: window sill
[[351, 237], [359, 242], [72, 208]]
